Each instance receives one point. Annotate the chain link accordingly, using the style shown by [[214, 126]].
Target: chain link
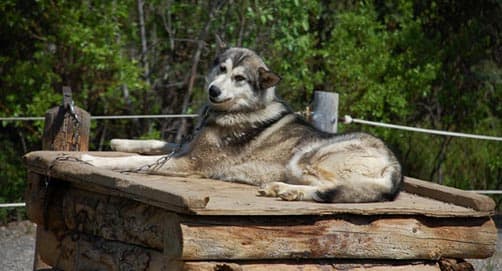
[[145, 168], [162, 160], [67, 157], [155, 165]]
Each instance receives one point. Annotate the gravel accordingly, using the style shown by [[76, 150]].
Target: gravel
[[17, 246]]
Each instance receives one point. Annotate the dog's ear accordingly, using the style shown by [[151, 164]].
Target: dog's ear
[[267, 79]]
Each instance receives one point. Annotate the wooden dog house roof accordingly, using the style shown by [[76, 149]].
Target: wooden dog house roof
[[198, 196]]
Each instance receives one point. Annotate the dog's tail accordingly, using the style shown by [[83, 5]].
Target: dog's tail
[[365, 189]]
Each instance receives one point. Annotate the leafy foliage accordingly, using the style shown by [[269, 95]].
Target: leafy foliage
[[433, 64]]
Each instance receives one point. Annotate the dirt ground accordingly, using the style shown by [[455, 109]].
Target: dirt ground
[[17, 245]]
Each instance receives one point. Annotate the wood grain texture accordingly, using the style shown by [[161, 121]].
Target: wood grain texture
[[114, 218], [195, 237], [354, 237], [322, 266], [107, 216], [72, 252], [63, 133], [449, 194], [44, 204], [212, 197]]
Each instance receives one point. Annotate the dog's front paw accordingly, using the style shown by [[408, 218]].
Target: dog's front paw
[[269, 190], [281, 190], [284, 191], [291, 194]]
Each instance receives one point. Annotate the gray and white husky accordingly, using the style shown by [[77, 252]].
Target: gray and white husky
[[248, 135]]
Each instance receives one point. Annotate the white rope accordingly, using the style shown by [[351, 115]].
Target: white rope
[[109, 117], [348, 119], [487, 192], [10, 205], [20, 118]]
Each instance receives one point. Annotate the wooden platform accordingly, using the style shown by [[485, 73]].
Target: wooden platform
[[95, 217]]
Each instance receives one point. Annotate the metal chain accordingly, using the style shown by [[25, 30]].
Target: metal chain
[[155, 165], [67, 157], [145, 168], [162, 160], [75, 143], [71, 110]]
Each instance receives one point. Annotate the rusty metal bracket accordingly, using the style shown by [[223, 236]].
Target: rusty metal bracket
[[68, 103]]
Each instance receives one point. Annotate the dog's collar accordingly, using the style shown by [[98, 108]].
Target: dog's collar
[[244, 135], [247, 119]]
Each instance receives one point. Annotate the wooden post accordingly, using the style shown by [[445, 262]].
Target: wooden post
[[66, 126], [325, 111], [66, 129]]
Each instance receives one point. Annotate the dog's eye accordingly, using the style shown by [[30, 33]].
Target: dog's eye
[[223, 69], [239, 78]]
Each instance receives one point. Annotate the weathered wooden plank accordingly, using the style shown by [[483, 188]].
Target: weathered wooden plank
[[115, 183], [322, 266], [211, 197], [354, 237], [73, 252], [272, 237], [449, 194], [238, 200]]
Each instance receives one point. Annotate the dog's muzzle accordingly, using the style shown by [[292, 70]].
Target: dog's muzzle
[[214, 91]]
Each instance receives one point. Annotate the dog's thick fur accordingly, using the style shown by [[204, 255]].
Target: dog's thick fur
[[247, 135]]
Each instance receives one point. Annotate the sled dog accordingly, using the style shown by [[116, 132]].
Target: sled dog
[[248, 135]]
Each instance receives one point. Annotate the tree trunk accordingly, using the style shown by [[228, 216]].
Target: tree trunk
[[195, 63]]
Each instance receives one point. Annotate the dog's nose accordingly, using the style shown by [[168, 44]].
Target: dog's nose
[[214, 91]]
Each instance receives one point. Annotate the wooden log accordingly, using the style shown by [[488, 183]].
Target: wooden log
[[44, 206], [65, 130], [276, 237], [110, 217], [323, 266], [325, 107], [34, 196], [354, 237], [455, 265], [76, 251], [449, 194], [114, 218]]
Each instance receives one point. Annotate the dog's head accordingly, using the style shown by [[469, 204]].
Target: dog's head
[[240, 81]]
